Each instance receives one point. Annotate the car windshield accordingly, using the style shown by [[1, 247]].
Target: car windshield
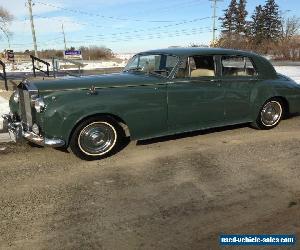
[[156, 64]]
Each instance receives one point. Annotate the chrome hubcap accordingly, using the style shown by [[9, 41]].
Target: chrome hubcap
[[97, 138], [271, 113]]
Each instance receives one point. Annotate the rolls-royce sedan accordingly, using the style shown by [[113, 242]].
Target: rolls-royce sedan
[[159, 92]]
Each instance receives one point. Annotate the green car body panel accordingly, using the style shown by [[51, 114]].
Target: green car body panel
[[153, 106]]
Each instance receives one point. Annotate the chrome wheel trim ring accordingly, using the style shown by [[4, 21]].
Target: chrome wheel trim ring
[[271, 113], [97, 138]]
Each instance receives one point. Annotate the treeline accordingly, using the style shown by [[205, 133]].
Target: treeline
[[88, 53], [266, 31]]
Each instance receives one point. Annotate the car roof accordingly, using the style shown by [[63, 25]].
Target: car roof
[[264, 67], [182, 52]]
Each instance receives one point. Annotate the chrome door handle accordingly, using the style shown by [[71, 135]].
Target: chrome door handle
[[217, 81]]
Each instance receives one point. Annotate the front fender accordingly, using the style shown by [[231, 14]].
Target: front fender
[[64, 110], [142, 108]]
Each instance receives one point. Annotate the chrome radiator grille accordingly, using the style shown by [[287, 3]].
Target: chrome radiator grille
[[25, 108]]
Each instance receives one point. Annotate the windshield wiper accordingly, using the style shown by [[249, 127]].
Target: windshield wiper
[[134, 69], [155, 72]]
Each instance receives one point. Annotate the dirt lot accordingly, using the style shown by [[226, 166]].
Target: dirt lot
[[178, 192]]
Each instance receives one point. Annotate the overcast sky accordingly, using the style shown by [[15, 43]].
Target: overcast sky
[[125, 26]]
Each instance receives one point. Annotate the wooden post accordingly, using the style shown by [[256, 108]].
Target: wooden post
[[33, 67]]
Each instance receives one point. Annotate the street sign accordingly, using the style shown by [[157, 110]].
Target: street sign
[[10, 55], [72, 54]]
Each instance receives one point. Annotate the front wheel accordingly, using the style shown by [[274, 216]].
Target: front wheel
[[96, 138], [270, 115]]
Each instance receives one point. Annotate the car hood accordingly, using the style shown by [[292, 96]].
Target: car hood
[[98, 81]]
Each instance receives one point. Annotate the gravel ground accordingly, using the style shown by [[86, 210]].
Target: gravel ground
[[178, 192]]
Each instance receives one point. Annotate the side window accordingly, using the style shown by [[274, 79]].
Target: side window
[[197, 66], [134, 62], [237, 66]]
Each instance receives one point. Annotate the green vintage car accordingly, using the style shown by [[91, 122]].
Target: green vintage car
[[160, 92]]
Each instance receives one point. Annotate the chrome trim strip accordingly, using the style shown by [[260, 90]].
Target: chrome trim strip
[[111, 87]]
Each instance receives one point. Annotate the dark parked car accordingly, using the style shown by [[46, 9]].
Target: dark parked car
[[160, 92]]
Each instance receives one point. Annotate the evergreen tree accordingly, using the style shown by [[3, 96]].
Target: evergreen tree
[[234, 20], [257, 24], [229, 19], [241, 23], [272, 21]]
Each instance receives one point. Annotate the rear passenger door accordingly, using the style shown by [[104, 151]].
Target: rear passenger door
[[238, 78]]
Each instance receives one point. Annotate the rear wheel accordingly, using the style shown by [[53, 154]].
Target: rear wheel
[[96, 138], [270, 114]]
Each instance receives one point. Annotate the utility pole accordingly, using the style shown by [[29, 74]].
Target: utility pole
[[32, 27], [214, 16], [63, 31], [8, 39]]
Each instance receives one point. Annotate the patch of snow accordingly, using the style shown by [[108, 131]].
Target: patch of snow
[[4, 138], [103, 65], [88, 65], [125, 56], [4, 109], [291, 71]]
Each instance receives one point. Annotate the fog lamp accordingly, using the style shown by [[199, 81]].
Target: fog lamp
[[35, 129], [16, 96]]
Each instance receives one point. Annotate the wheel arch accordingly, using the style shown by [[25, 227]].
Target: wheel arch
[[118, 120]]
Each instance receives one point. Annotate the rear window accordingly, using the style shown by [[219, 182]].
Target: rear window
[[237, 66]]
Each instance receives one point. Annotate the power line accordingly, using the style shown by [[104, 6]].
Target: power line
[[169, 7], [134, 34], [150, 36], [154, 35], [136, 30], [158, 27], [102, 16]]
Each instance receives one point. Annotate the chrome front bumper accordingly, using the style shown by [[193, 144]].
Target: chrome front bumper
[[17, 134]]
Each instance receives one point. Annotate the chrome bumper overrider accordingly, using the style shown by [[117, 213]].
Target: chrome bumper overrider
[[17, 134]]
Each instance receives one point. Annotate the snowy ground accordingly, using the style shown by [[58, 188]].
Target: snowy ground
[[290, 71], [88, 65], [3, 110]]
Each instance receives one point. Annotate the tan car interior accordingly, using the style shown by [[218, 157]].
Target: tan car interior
[[237, 66], [201, 66], [198, 66], [204, 66], [202, 72]]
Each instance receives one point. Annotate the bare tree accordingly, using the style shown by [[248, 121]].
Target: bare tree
[[290, 27], [5, 20]]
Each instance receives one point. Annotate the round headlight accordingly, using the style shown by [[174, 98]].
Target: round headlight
[[39, 105], [16, 96]]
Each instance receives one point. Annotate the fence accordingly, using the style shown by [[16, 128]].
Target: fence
[[3, 74], [55, 63], [34, 68]]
